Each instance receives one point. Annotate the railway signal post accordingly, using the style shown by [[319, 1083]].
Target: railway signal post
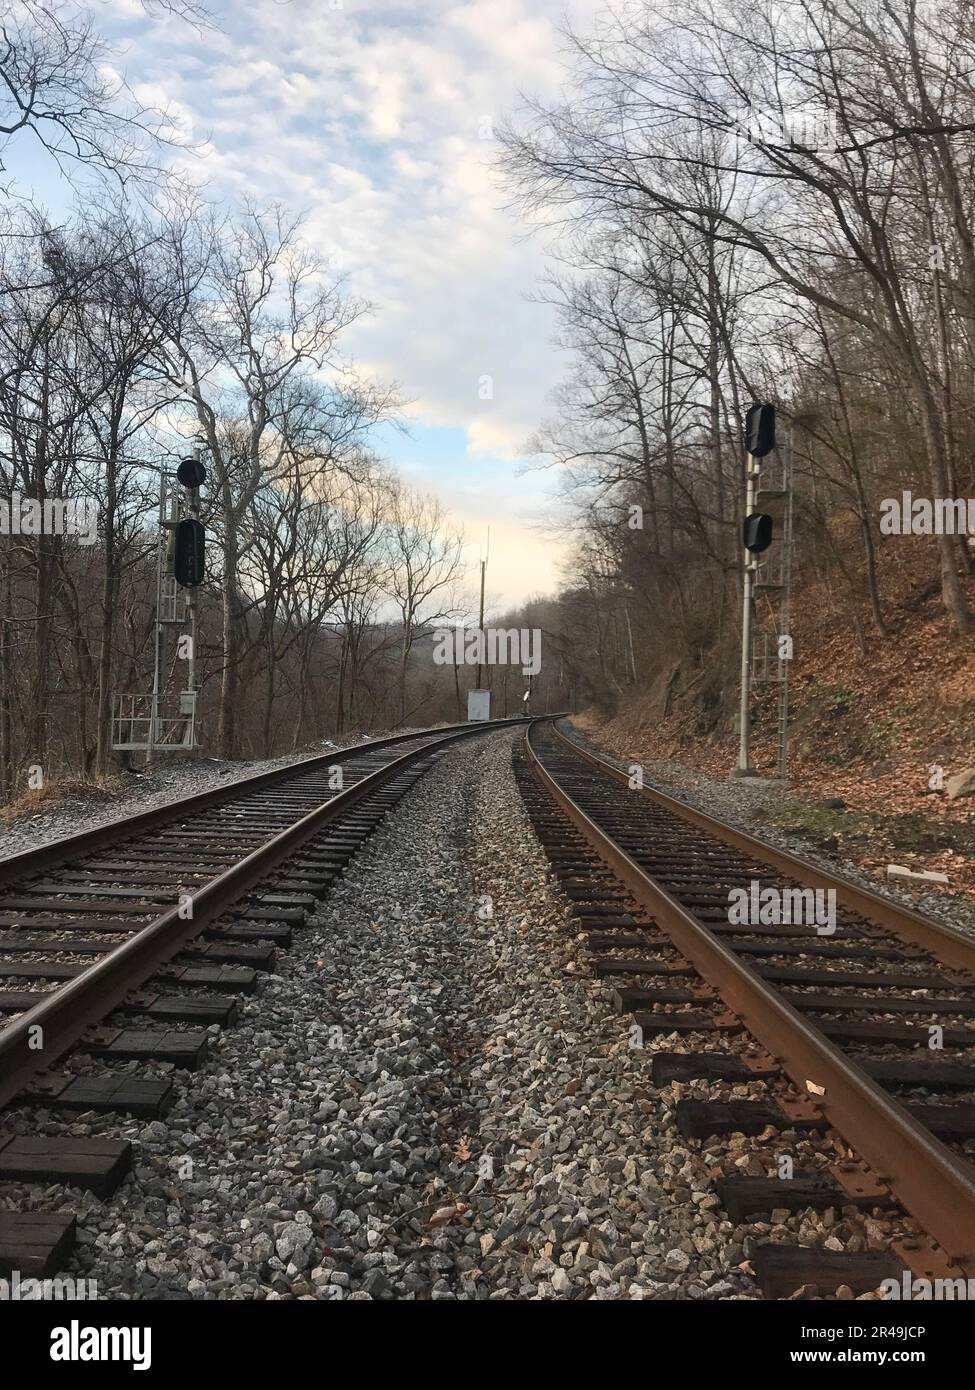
[[144, 723], [757, 536]]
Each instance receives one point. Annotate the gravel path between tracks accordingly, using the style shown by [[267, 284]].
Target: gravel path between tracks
[[745, 804], [427, 1102], [137, 791]]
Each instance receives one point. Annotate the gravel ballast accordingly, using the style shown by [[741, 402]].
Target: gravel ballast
[[428, 1101]]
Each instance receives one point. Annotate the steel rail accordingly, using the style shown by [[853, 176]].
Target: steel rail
[[953, 947], [30, 861], [65, 1014], [931, 1182]]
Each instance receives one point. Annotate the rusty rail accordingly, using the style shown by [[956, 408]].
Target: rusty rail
[[930, 1181], [65, 1014], [32, 861]]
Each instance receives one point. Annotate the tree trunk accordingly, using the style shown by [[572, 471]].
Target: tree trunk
[[952, 594], [230, 676], [6, 671]]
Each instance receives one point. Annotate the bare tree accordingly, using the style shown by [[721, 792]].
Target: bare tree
[[652, 84], [55, 86], [259, 327], [425, 559]]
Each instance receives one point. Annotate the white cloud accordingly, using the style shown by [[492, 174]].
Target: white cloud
[[490, 437], [371, 117]]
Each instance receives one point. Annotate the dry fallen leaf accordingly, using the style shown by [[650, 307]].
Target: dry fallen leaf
[[462, 1149], [443, 1215]]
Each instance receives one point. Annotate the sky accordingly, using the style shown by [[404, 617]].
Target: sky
[[376, 119]]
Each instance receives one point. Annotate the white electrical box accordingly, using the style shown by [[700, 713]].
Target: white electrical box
[[478, 705]]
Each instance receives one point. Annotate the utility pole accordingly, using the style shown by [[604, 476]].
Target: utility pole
[[480, 620], [478, 700]]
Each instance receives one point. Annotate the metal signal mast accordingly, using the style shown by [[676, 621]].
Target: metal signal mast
[[163, 721], [766, 642]]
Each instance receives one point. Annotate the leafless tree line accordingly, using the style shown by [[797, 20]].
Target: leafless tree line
[[753, 201], [124, 342], [141, 327]]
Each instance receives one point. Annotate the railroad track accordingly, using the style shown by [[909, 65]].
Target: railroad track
[[842, 1019], [129, 941]]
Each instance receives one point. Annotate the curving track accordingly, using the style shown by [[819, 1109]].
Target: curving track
[[847, 1016]]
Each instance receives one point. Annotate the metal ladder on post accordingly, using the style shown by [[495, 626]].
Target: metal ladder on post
[[774, 581], [158, 722]]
